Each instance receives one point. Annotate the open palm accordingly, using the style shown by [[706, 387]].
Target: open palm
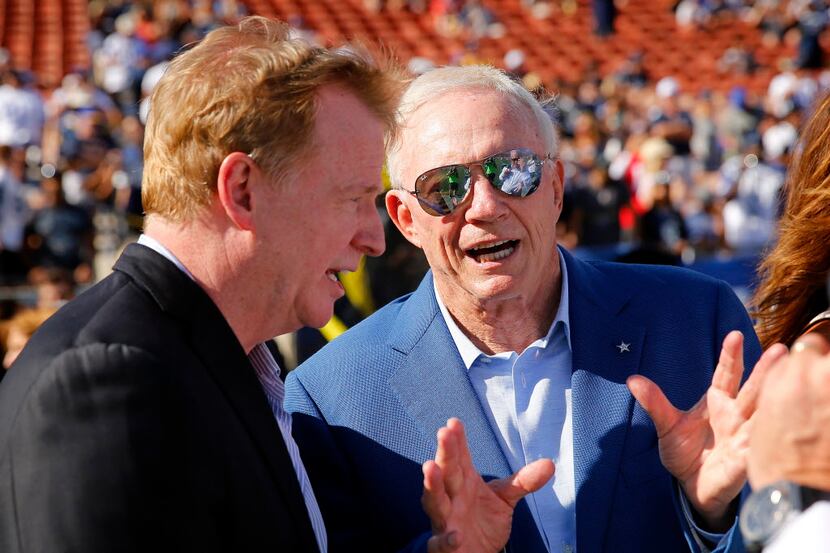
[[467, 514], [705, 448]]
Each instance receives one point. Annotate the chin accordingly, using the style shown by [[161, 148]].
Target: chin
[[496, 287], [319, 318]]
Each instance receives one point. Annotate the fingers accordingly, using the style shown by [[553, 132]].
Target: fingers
[[730, 367], [748, 396], [448, 458], [652, 399], [464, 459], [813, 343], [444, 543], [526, 480], [435, 501]]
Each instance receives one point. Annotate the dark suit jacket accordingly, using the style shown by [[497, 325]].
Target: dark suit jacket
[[367, 407], [133, 421]]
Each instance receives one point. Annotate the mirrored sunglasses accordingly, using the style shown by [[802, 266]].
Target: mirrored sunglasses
[[515, 172]]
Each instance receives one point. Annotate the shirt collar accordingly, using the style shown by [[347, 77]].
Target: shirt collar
[[157, 247], [469, 352]]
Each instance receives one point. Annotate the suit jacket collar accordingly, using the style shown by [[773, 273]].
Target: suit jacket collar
[[433, 385], [432, 382], [214, 343]]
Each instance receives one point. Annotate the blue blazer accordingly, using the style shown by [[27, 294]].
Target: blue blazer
[[368, 405]]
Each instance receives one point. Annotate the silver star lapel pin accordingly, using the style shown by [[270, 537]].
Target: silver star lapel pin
[[623, 346]]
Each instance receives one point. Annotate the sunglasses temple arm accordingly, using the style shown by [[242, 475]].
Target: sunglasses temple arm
[[432, 206]]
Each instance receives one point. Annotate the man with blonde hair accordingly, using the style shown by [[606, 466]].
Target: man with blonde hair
[[146, 415]]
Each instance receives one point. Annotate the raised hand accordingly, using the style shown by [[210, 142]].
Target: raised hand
[[789, 438], [706, 447], [469, 515]]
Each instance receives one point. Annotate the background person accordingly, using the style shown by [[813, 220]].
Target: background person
[[18, 330]]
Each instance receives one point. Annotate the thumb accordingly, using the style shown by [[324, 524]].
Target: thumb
[[652, 399], [444, 543], [526, 480]]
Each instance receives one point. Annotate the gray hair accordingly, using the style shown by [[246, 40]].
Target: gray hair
[[442, 81]]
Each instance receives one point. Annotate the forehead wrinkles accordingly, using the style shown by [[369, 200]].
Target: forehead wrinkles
[[461, 127]]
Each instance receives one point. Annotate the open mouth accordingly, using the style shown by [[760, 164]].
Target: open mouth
[[493, 252], [333, 275]]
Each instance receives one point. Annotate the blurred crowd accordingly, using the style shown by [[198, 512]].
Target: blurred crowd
[[71, 155], [674, 173], [653, 172]]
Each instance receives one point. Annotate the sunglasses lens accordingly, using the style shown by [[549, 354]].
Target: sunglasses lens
[[516, 173], [442, 189]]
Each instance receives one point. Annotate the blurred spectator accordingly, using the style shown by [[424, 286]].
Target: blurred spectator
[[14, 214], [595, 210], [668, 119], [604, 14], [478, 20], [21, 111], [514, 63], [17, 331], [750, 216], [662, 229], [54, 286], [62, 233], [812, 20], [737, 60], [119, 61]]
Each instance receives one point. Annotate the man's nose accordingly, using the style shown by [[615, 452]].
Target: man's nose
[[487, 203], [369, 239]]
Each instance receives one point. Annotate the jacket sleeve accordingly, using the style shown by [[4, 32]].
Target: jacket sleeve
[[84, 468], [345, 507], [730, 315]]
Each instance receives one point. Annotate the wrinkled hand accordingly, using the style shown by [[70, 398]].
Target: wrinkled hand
[[467, 514], [790, 437], [706, 447]]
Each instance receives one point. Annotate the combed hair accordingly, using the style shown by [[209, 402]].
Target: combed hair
[[246, 88], [793, 275], [444, 80]]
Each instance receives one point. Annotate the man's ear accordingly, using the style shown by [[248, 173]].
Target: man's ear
[[559, 183], [233, 185], [401, 215]]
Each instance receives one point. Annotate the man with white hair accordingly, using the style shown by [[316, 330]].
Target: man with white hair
[[539, 354]]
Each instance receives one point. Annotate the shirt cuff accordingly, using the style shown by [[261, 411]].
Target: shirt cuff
[[806, 533], [707, 541]]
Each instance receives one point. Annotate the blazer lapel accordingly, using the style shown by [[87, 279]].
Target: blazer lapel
[[217, 347], [606, 350], [432, 382]]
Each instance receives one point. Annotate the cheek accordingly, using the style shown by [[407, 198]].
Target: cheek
[[335, 233]]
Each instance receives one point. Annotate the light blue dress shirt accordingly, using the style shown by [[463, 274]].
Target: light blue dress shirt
[[527, 398]]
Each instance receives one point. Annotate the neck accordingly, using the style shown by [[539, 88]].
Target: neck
[[512, 324], [215, 258]]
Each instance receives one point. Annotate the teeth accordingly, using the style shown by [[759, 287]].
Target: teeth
[[493, 245], [332, 276], [495, 256]]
